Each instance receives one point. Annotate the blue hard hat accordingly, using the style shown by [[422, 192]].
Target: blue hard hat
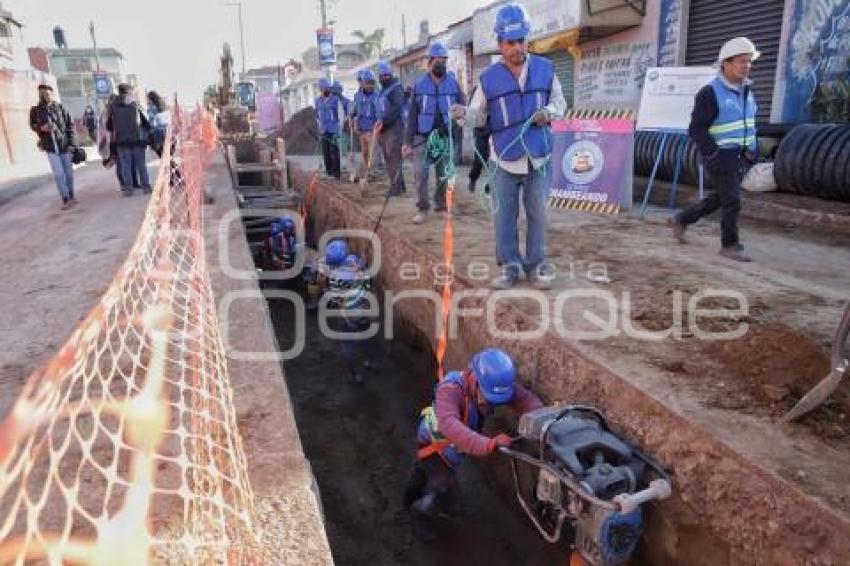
[[336, 252], [494, 370], [512, 22], [384, 68], [367, 75], [287, 224], [275, 228], [324, 83], [437, 49], [351, 260]]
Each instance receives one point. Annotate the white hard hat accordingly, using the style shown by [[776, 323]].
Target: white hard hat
[[738, 46]]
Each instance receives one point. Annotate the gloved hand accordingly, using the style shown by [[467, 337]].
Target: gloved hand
[[379, 125], [541, 117], [750, 157], [497, 441], [458, 112]]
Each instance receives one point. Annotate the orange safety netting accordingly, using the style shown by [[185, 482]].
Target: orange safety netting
[[124, 449]]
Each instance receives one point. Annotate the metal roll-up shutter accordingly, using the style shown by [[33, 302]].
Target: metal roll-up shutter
[[564, 69], [713, 22]]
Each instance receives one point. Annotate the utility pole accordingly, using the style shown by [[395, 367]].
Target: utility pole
[[324, 14], [403, 32], [97, 101], [241, 35]]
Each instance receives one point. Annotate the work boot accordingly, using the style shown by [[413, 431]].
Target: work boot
[[503, 281], [735, 252], [422, 518], [678, 229], [419, 218]]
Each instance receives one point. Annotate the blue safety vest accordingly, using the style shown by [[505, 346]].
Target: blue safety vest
[[735, 125], [327, 113], [366, 106], [428, 436], [383, 103], [431, 98], [509, 107]]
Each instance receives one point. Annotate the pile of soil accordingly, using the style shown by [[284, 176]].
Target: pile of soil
[[301, 133]]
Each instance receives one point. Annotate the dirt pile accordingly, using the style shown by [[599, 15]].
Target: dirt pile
[[301, 133]]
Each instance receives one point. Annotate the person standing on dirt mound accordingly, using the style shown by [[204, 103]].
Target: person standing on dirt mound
[[433, 96], [328, 116], [451, 427], [516, 99], [723, 126]]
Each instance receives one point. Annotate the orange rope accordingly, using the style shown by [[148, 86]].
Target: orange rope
[[308, 197], [448, 253]]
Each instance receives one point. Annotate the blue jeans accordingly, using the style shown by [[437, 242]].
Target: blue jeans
[[422, 162], [132, 159], [506, 188], [63, 173]]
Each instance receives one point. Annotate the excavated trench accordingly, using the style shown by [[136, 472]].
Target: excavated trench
[[726, 507]]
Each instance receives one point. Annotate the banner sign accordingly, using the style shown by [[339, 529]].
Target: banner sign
[[591, 164], [668, 97], [102, 84], [325, 41]]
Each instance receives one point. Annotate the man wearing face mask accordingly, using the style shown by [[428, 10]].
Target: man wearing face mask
[[433, 97], [516, 98], [328, 117], [390, 128], [364, 113]]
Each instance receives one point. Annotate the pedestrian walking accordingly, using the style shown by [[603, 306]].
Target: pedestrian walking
[[55, 130], [130, 131]]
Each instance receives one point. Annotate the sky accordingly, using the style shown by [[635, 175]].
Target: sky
[[174, 45]]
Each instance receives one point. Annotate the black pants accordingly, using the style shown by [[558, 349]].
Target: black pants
[[431, 495], [482, 148], [330, 153], [725, 172]]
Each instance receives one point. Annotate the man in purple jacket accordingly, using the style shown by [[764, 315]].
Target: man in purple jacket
[[451, 427]]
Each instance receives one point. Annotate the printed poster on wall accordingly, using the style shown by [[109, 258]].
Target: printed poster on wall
[[668, 97], [591, 164], [268, 112]]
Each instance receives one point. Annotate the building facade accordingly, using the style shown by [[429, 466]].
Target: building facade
[[74, 70]]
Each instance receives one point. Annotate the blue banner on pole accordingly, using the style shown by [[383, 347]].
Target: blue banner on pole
[[325, 41], [102, 84]]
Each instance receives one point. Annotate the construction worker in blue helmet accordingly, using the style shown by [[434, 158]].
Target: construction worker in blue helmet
[[517, 98], [282, 243], [451, 428], [390, 126], [348, 295], [329, 116], [364, 115], [434, 94]]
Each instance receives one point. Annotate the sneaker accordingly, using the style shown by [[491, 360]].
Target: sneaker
[[127, 192], [541, 281], [147, 190], [504, 281], [678, 230], [65, 205], [735, 252], [371, 366], [419, 218], [73, 202]]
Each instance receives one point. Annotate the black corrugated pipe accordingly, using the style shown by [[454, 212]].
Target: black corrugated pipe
[[814, 160]]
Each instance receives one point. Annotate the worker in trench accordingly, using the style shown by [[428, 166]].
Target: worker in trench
[[347, 292], [516, 99], [451, 427], [723, 127]]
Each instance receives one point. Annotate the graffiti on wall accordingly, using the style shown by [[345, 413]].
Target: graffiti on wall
[[669, 24], [613, 75], [818, 53]]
